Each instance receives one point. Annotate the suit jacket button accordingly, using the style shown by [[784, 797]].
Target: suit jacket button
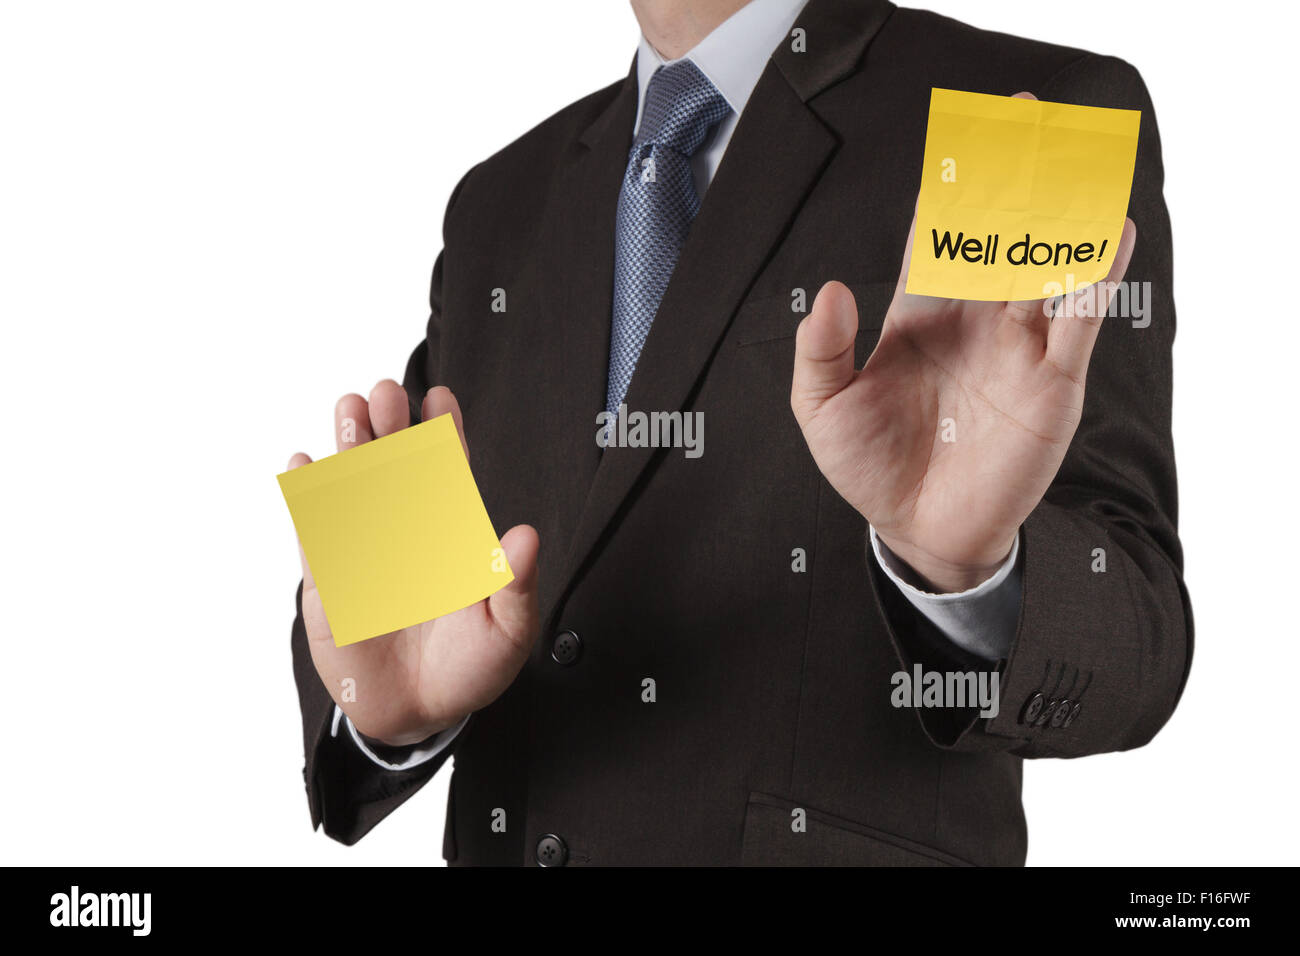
[[1072, 716], [1061, 713], [551, 851], [1033, 707], [1048, 709], [566, 648]]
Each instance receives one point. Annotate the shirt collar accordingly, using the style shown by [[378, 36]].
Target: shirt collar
[[733, 56]]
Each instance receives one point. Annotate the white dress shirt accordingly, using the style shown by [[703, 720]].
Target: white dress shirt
[[982, 620]]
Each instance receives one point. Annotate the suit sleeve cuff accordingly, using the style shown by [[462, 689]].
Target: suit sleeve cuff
[[981, 620], [415, 755]]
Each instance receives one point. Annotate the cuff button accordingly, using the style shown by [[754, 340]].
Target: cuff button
[[1033, 707], [1072, 716]]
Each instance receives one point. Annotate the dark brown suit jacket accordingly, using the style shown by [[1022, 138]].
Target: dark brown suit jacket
[[773, 687]]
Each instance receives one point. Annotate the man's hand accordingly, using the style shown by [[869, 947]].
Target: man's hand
[[1003, 381], [412, 683]]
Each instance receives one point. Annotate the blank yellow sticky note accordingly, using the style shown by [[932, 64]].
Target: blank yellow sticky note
[[395, 531], [1020, 199]]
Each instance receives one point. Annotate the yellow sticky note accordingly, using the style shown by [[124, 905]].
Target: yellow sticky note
[[395, 531], [1020, 199]]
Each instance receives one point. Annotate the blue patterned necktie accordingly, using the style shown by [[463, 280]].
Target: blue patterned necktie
[[655, 208]]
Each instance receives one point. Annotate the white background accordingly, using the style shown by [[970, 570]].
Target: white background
[[218, 217]]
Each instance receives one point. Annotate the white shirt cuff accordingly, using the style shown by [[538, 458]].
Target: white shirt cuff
[[981, 620], [420, 754]]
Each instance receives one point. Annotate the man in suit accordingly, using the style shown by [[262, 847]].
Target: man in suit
[[697, 659]]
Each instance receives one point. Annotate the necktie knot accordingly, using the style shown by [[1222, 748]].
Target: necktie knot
[[681, 107]]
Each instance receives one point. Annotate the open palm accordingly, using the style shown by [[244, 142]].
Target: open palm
[[952, 432]]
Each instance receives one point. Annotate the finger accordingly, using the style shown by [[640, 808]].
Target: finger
[[1074, 329], [1034, 315], [314, 621], [440, 401], [823, 349], [1024, 95], [297, 461], [351, 422], [390, 410], [514, 607]]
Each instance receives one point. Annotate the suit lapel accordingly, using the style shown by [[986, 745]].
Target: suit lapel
[[574, 274], [776, 155]]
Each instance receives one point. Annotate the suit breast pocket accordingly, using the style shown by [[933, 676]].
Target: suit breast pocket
[[771, 321], [779, 832]]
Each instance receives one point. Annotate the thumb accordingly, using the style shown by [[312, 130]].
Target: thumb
[[823, 350], [514, 607]]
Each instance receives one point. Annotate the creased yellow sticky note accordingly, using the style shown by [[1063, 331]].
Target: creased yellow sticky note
[[395, 531], [1019, 199]]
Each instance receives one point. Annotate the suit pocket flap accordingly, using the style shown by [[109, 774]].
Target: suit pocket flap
[[772, 317], [775, 835]]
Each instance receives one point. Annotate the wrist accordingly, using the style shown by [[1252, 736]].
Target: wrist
[[940, 575], [404, 739]]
